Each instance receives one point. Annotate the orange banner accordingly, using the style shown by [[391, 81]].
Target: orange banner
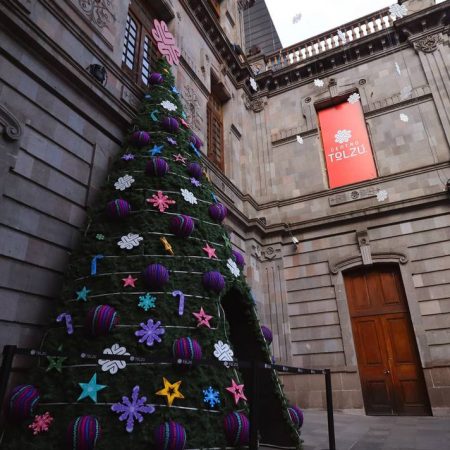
[[346, 144]]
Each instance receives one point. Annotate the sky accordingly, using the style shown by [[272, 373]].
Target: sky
[[317, 15]]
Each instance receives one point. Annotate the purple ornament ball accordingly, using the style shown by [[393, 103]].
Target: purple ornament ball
[[187, 349], [118, 209], [217, 212], [156, 276], [196, 141], [156, 78], [22, 402], [157, 167], [181, 225], [140, 138], [101, 319], [170, 124], [195, 170], [267, 333], [83, 433], [170, 436], [237, 429], [213, 281], [296, 415], [239, 258]]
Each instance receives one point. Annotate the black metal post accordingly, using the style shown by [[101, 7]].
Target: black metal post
[[330, 416], [254, 407], [5, 370]]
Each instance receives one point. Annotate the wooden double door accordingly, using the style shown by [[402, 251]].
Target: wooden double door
[[389, 365]]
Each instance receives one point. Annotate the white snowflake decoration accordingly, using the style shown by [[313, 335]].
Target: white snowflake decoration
[[124, 182], [300, 139], [168, 105], [130, 241], [297, 18], [404, 118], [189, 196], [342, 36], [397, 68], [354, 98], [113, 366], [318, 82], [253, 84], [406, 92], [382, 195], [233, 267], [398, 11], [342, 136], [223, 351]]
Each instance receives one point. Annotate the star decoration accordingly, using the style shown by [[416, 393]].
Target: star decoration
[[167, 246], [203, 318], [195, 182], [156, 150], [90, 389], [82, 295], [129, 281], [170, 391], [128, 157], [210, 251], [175, 90], [237, 390], [180, 158], [171, 141], [55, 362], [160, 201]]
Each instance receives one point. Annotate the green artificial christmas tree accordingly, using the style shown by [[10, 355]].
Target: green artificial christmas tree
[[154, 276]]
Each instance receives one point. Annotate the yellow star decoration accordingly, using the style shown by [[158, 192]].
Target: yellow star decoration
[[171, 391], [167, 245]]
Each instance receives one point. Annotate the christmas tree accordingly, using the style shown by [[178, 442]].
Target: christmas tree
[[154, 276]]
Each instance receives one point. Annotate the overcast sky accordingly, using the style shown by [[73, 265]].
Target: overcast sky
[[317, 15]]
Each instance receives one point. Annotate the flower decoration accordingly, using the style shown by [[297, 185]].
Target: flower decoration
[[404, 118], [189, 196], [166, 104], [124, 182], [166, 42], [150, 332], [130, 241], [398, 11], [113, 366], [223, 351], [100, 237], [342, 136], [382, 195], [318, 82], [300, 139], [354, 98]]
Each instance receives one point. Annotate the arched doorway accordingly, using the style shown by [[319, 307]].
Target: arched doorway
[[388, 360]]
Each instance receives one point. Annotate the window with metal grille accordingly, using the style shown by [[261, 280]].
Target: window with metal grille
[[129, 45]]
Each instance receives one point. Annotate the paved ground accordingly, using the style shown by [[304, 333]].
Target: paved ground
[[357, 432]]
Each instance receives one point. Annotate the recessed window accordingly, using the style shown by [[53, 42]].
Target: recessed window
[[215, 125]]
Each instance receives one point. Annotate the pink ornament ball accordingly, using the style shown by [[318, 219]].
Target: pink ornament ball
[[157, 167], [181, 226], [267, 333], [170, 436], [83, 433], [195, 170], [156, 78], [170, 124], [140, 138], [22, 402], [213, 281], [101, 320], [217, 212], [187, 349], [118, 209], [237, 429], [239, 258], [296, 415], [156, 276], [196, 141]]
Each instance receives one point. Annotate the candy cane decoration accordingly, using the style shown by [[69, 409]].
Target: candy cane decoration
[[68, 319], [94, 264], [181, 304]]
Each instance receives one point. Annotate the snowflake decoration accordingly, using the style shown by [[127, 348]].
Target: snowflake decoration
[[253, 84], [127, 157], [100, 237], [41, 423], [318, 82], [398, 11], [233, 267], [354, 98], [404, 118], [382, 195], [342, 136], [406, 92], [124, 182], [150, 332], [132, 410], [296, 18], [115, 365], [166, 104], [300, 140], [195, 182], [223, 351], [171, 141], [160, 201], [189, 196], [342, 36], [147, 301], [129, 241], [397, 68], [211, 396]]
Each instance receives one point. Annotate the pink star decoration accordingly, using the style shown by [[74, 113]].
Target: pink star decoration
[[203, 318], [179, 158], [160, 201], [41, 423], [129, 281], [237, 390], [210, 251]]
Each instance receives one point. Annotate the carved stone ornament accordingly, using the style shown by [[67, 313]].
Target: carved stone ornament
[[268, 253], [99, 12], [9, 126], [256, 105], [428, 44], [191, 106]]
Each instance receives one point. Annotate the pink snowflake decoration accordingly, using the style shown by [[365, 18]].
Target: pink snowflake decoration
[[41, 423], [166, 42], [160, 201]]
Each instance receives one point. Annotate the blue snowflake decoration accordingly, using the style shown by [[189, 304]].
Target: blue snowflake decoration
[[132, 409], [150, 332], [147, 301], [211, 396]]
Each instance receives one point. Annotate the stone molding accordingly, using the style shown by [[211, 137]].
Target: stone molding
[[10, 126], [357, 260], [256, 104], [99, 12]]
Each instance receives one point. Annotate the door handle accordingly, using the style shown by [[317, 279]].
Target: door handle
[[386, 371]]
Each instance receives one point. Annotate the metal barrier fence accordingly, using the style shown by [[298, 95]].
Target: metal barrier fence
[[10, 351]]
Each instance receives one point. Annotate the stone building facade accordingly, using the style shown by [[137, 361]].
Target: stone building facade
[[60, 127]]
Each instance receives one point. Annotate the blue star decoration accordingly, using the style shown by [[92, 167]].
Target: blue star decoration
[[211, 396], [147, 301], [156, 150], [90, 389], [82, 295], [175, 90]]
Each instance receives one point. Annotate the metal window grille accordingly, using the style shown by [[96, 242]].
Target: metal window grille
[[129, 45]]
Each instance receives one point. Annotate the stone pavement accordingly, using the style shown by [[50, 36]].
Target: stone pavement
[[358, 432]]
